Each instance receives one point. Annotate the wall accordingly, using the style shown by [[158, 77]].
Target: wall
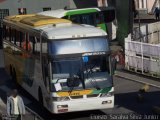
[[33, 6], [148, 4]]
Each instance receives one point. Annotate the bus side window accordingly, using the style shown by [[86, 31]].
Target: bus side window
[[44, 45], [10, 34], [65, 17], [75, 18], [87, 19], [37, 45], [5, 32], [32, 42], [27, 43], [21, 38], [15, 36], [18, 38], [99, 18]]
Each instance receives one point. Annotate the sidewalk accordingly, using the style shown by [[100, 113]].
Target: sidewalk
[[138, 78]]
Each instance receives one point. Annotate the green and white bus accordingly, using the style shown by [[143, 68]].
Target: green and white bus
[[65, 66], [99, 17]]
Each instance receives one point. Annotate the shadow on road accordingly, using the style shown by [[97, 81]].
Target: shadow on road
[[140, 105], [128, 101]]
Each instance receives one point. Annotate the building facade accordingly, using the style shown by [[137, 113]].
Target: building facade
[[32, 6], [147, 6]]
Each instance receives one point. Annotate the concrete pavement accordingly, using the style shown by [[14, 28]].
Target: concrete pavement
[[138, 78]]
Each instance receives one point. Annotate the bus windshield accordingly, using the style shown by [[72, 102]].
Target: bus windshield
[[80, 45], [92, 71]]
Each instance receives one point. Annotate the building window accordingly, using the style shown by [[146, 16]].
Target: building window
[[22, 11], [46, 9]]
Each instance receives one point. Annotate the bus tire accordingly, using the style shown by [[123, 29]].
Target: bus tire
[[40, 96]]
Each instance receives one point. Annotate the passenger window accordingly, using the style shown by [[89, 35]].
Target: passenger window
[[75, 18], [44, 45], [22, 37], [65, 17], [87, 19], [17, 38], [26, 44], [99, 18], [32, 42]]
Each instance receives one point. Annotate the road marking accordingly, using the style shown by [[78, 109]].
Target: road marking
[[142, 82], [7, 89]]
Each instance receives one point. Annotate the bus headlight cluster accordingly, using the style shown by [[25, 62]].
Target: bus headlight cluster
[[107, 102], [109, 94], [60, 98]]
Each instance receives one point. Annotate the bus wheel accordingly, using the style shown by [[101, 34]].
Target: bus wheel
[[40, 96]]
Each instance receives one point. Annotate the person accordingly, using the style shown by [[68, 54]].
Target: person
[[15, 106], [156, 12]]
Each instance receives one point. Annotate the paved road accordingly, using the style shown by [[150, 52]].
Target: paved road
[[125, 101]]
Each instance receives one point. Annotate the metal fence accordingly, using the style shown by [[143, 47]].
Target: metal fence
[[142, 50]]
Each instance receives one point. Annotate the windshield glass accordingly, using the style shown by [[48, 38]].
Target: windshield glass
[[92, 72], [75, 46]]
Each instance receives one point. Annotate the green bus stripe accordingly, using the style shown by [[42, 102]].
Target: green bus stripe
[[105, 90], [102, 26], [80, 12]]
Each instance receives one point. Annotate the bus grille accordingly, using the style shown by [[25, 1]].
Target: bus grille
[[93, 95], [76, 97]]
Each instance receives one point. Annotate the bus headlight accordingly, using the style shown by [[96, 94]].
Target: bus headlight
[[109, 94], [107, 102], [60, 98]]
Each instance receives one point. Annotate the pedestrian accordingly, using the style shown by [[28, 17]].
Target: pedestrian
[[15, 106], [156, 12]]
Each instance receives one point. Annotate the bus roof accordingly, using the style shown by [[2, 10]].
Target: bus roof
[[59, 13], [51, 28], [34, 20], [71, 31]]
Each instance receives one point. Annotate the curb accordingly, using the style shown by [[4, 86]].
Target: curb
[[142, 82]]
